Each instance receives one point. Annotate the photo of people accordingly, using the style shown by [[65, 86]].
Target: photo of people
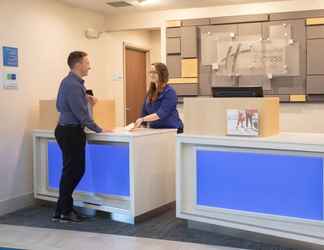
[[243, 122]]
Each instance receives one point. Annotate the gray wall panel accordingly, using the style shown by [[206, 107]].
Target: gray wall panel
[[315, 84], [315, 57], [182, 42], [288, 86], [296, 15], [189, 42], [315, 32], [173, 46], [284, 98], [186, 89], [174, 66], [294, 84], [205, 81], [315, 98], [220, 28], [223, 81], [251, 81], [196, 22], [240, 19], [249, 29], [173, 32]]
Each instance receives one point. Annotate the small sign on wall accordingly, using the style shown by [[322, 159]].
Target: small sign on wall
[[9, 75], [10, 80], [10, 56], [117, 77]]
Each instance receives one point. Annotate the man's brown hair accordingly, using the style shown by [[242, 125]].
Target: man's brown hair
[[75, 57]]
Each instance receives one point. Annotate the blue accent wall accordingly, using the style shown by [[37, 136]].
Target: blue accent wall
[[263, 183], [107, 169]]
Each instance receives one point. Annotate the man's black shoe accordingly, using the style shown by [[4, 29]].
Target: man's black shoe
[[70, 217], [56, 217]]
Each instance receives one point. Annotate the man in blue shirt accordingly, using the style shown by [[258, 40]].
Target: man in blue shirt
[[72, 104]]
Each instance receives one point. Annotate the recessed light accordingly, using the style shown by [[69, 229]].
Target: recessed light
[[119, 4]]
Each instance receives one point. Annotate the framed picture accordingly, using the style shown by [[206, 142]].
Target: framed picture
[[243, 122]]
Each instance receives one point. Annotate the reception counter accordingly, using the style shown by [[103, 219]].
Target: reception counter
[[129, 174], [269, 185]]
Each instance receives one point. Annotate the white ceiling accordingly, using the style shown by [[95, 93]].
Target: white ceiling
[[151, 5]]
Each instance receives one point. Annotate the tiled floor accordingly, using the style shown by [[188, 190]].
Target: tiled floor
[[163, 227], [51, 239]]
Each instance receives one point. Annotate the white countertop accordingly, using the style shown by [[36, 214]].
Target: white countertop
[[125, 134], [284, 141]]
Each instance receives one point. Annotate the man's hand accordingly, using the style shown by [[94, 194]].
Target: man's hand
[[107, 131], [92, 100]]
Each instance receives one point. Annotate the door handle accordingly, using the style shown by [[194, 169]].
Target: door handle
[[127, 109]]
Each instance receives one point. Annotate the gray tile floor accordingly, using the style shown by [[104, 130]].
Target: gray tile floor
[[51, 239], [164, 227]]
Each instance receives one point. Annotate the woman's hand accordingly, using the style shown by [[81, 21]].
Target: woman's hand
[[92, 100], [139, 122], [149, 118]]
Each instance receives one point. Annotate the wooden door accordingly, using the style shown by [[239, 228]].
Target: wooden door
[[135, 83]]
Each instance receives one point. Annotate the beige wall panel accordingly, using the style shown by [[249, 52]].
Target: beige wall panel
[[173, 23], [183, 80], [213, 120], [189, 68], [103, 114]]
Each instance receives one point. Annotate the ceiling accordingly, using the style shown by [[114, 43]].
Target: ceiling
[[152, 5]]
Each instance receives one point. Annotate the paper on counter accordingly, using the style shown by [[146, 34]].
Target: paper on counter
[[130, 126], [127, 128]]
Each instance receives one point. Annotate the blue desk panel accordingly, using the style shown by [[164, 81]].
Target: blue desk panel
[[262, 183], [107, 169]]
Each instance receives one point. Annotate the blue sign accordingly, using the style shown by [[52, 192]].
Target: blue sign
[[10, 57]]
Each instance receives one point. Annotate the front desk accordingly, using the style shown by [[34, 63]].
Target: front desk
[[271, 185], [128, 174]]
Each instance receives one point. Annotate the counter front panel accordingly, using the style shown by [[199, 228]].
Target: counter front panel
[[107, 169], [284, 185]]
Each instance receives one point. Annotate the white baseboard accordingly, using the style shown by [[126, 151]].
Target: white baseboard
[[16, 203]]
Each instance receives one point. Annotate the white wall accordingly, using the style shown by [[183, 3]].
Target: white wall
[[293, 116]]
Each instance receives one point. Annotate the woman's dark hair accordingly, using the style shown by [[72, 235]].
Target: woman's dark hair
[[163, 73]]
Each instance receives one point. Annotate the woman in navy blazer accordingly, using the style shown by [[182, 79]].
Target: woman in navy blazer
[[160, 105]]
